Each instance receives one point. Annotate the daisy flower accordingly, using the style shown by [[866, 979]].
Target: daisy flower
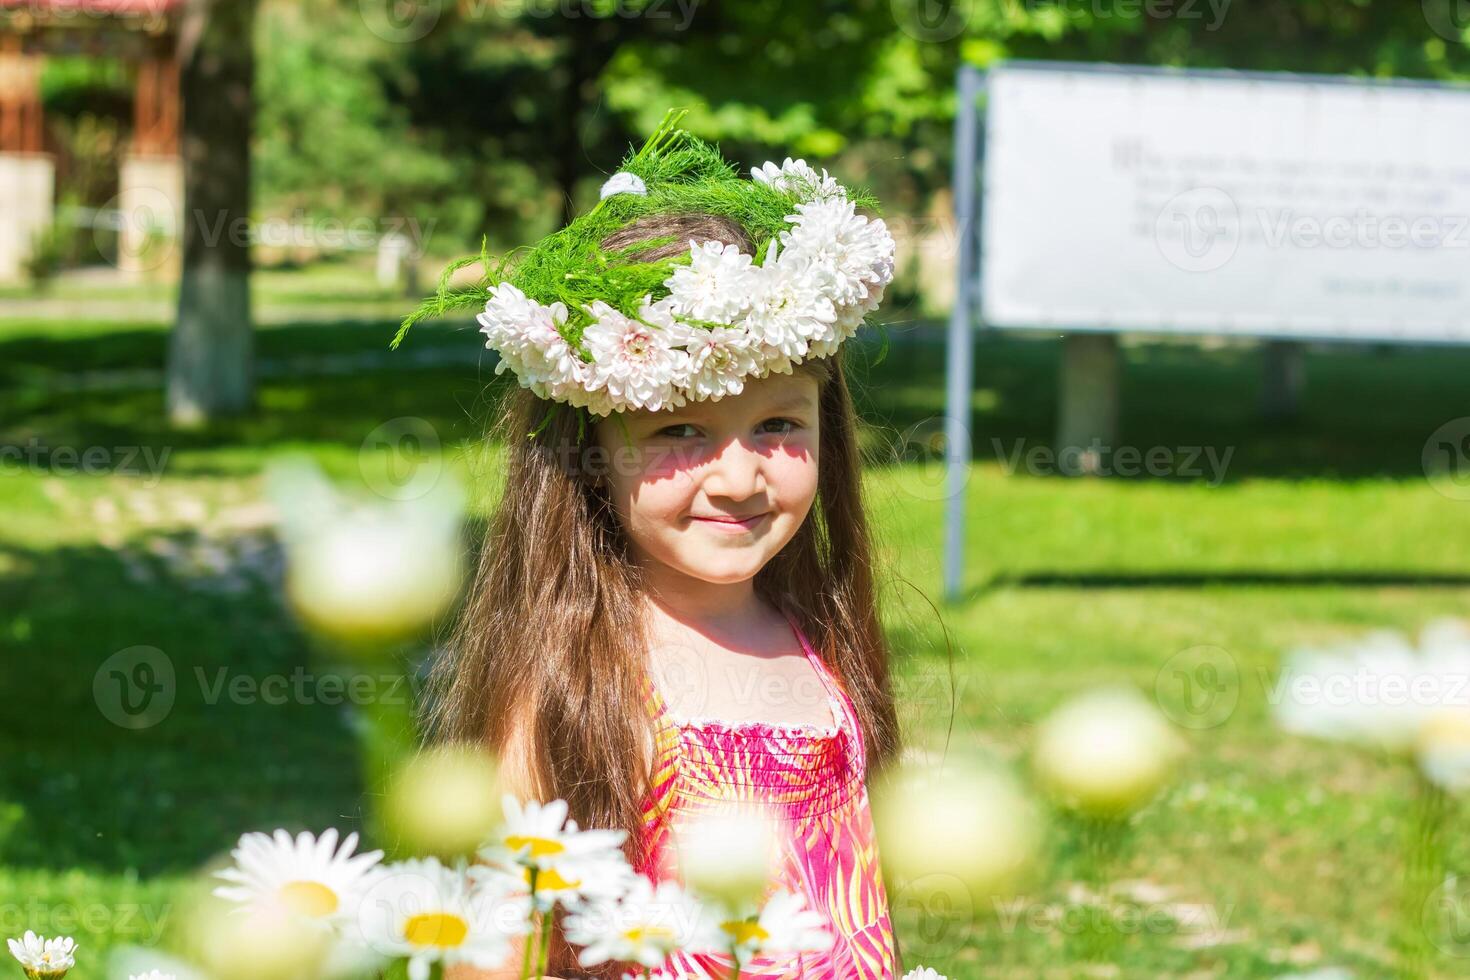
[[310, 876], [632, 360], [644, 926], [44, 959], [569, 866], [799, 178], [1377, 692], [784, 925], [924, 973], [428, 913], [715, 285]]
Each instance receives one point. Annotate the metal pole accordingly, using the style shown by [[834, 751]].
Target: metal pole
[[959, 344]]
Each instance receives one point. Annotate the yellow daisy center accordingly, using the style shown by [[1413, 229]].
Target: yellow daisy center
[[745, 931], [540, 846], [640, 934], [310, 898], [550, 880], [436, 929]]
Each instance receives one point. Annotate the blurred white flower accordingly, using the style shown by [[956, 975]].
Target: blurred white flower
[[644, 926], [257, 941], [1106, 753], [715, 285], [428, 913], [41, 958], [152, 975], [726, 854], [1379, 691], [367, 572], [800, 178], [784, 925], [924, 973], [964, 823], [571, 866], [308, 876], [1443, 750]]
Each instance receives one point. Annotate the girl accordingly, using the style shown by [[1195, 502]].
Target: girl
[[674, 607]]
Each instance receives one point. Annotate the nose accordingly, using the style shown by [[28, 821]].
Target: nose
[[736, 471]]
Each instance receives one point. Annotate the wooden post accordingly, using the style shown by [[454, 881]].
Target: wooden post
[[1087, 421]]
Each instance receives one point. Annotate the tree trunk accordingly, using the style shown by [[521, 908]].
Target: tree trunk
[[209, 360]]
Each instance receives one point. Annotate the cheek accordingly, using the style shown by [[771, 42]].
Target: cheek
[[648, 504], [792, 474]]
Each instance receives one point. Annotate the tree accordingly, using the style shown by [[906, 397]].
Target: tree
[[210, 350]]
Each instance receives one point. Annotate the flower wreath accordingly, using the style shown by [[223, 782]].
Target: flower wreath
[[602, 331]]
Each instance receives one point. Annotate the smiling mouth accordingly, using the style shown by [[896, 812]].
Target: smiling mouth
[[744, 524]]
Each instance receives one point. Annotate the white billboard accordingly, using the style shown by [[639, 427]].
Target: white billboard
[[1220, 203]]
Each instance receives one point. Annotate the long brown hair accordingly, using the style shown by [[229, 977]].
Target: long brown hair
[[552, 634]]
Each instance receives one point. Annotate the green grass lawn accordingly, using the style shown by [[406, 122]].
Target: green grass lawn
[[1268, 856]]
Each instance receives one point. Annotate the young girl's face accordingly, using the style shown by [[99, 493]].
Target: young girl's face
[[715, 489]]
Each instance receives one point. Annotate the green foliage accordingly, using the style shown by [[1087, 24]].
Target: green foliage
[[330, 140]]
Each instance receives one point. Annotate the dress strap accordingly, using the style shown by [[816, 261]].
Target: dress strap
[[836, 697]]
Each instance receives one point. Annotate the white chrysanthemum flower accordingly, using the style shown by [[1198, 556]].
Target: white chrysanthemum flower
[[788, 309], [644, 926], [528, 338], [309, 876], [44, 959], [718, 360], [634, 362], [151, 975], [1379, 692], [785, 925], [715, 285], [570, 866], [924, 973], [429, 913], [799, 178], [852, 254], [623, 182]]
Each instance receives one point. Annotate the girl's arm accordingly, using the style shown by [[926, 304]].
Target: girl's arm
[[515, 777]]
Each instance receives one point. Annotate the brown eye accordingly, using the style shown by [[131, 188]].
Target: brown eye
[[673, 431], [790, 425]]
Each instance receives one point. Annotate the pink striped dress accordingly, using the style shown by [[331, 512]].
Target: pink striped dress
[[814, 778]]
